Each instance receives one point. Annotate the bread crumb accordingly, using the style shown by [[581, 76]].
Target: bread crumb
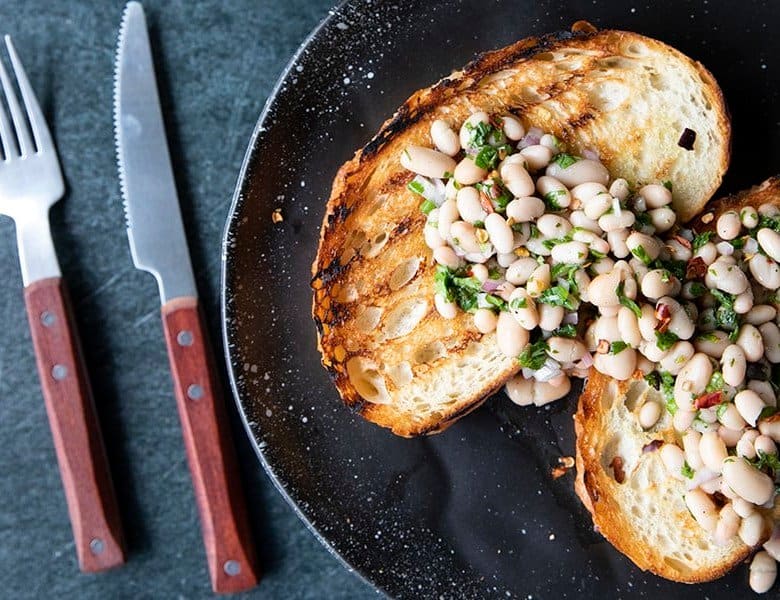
[[276, 216], [707, 218]]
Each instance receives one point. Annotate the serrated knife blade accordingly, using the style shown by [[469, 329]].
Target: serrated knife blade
[[158, 245], [154, 225]]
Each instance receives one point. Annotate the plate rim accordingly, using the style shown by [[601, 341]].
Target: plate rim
[[225, 264]]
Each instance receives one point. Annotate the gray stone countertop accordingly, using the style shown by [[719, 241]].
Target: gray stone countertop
[[216, 62]]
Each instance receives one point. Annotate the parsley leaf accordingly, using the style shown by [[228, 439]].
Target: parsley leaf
[[458, 287], [427, 206], [766, 461], [687, 471], [642, 219], [641, 254], [700, 239], [668, 185], [628, 302], [496, 301], [716, 383], [486, 158], [518, 303], [667, 389], [564, 160], [617, 347], [558, 295], [416, 187], [534, 355], [676, 267], [665, 340], [568, 331], [551, 199], [726, 317], [697, 289]]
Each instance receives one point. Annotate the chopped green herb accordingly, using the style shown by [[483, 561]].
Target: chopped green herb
[[653, 379], [641, 254], [416, 187], [617, 347], [564, 160], [676, 267], [494, 273], [700, 239], [628, 302], [716, 383], [770, 222], [427, 206], [666, 276], [767, 411], [687, 471], [668, 185], [665, 340], [597, 255], [697, 289], [766, 461], [518, 303], [496, 301], [667, 389], [479, 224], [708, 337], [456, 286], [534, 355], [721, 410], [568, 331], [551, 199], [726, 317], [558, 295], [642, 219], [738, 243], [534, 231], [486, 158]]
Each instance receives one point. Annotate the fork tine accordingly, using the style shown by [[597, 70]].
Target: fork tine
[[37, 122], [22, 136], [6, 135]]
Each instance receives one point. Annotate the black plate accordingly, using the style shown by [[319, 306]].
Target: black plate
[[470, 513]]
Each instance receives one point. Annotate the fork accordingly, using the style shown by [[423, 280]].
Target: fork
[[30, 183]]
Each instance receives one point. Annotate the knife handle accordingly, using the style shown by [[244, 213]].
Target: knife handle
[[210, 453], [89, 491]]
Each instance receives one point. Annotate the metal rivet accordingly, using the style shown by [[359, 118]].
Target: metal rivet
[[232, 567], [195, 392], [48, 319], [184, 338], [59, 372], [96, 545]]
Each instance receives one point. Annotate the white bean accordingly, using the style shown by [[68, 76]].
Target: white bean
[[679, 354], [747, 481], [680, 324], [663, 219], [464, 236], [683, 419], [565, 350], [617, 242], [444, 255], [743, 303], [713, 451], [553, 226], [769, 240], [712, 343], [444, 138], [763, 572], [603, 289], [647, 323], [570, 253], [752, 529], [649, 414], [448, 214], [749, 217], [523, 309], [708, 253], [765, 390], [612, 221], [734, 365], [579, 219], [427, 162], [729, 225], [727, 526], [760, 314], [751, 342], [467, 172], [481, 273], [619, 189], [691, 440], [539, 280], [525, 209], [770, 427], [469, 205], [742, 507], [485, 320], [702, 508], [432, 238], [732, 420], [727, 277], [629, 327], [765, 445], [537, 156], [513, 127], [520, 390], [448, 310], [770, 334], [553, 191], [517, 180], [673, 459], [765, 270], [656, 196], [619, 366], [658, 283], [469, 124], [768, 210], [510, 336], [550, 316], [582, 171], [749, 404], [547, 391], [520, 270], [692, 380]]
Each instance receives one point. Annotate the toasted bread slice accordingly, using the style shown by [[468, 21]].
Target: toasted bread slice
[[635, 504], [625, 96], [644, 516]]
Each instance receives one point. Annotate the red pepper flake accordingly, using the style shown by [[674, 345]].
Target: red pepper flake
[[687, 139], [602, 347], [617, 469], [696, 268], [708, 400], [485, 202], [683, 242], [664, 315], [652, 446]]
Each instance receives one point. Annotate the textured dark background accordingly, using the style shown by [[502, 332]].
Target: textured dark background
[[217, 62]]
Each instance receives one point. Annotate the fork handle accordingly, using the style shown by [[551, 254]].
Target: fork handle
[[210, 453], [89, 491]]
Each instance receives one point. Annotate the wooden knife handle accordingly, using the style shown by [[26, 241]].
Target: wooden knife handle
[[210, 453], [94, 514]]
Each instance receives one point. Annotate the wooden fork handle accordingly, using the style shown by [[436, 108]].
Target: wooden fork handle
[[89, 491], [210, 452]]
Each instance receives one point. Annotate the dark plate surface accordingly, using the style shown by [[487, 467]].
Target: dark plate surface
[[473, 512]]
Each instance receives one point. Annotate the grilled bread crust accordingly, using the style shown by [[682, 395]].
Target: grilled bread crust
[[645, 517], [389, 353]]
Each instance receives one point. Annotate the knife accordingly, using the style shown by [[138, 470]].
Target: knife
[[158, 245]]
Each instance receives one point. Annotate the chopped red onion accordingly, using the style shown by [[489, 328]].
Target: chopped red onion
[[586, 362], [549, 370], [571, 318], [590, 154], [686, 233], [531, 138], [491, 285]]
